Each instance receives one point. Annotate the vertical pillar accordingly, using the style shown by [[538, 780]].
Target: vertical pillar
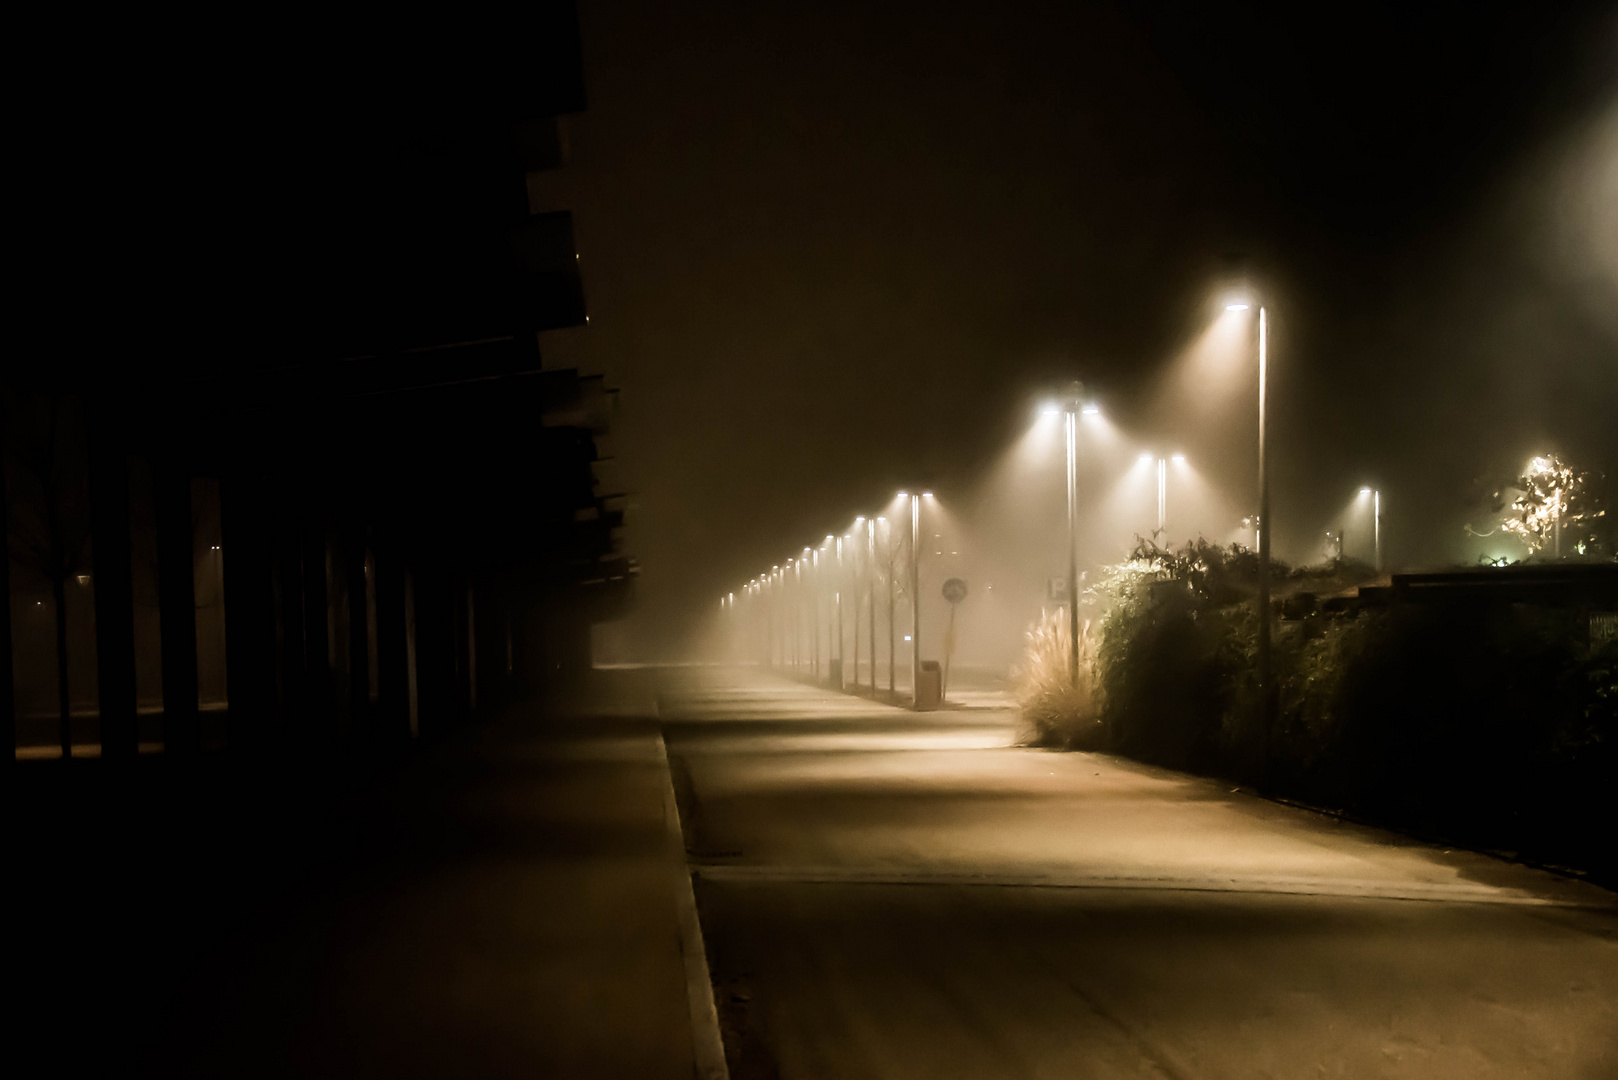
[[114, 585], [176, 589], [290, 616], [359, 637], [317, 681], [392, 660], [249, 612], [8, 697]]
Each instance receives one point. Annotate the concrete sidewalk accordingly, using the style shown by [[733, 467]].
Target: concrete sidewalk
[[505, 907]]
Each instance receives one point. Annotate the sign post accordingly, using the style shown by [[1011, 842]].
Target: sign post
[[954, 592]]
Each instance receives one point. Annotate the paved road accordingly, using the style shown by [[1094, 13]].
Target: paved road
[[887, 894]]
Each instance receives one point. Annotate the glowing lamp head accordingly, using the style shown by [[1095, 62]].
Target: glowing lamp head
[[926, 494], [1091, 410], [1146, 459], [1365, 491], [1179, 459], [1237, 306], [1050, 410]]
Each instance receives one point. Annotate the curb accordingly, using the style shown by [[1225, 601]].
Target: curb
[[707, 1046]]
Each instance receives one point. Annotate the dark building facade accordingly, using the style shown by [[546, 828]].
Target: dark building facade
[[326, 498]]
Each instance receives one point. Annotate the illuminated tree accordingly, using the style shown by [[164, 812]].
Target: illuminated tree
[[1553, 497]]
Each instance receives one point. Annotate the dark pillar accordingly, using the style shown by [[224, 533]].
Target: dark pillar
[[8, 697], [176, 590], [249, 612], [316, 636], [489, 643], [113, 579], [392, 659], [436, 675], [290, 574], [359, 645]]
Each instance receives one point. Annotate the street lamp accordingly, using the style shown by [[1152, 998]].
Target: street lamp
[[915, 598], [1072, 408], [887, 547], [1266, 687], [853, 538], [1376, 522], [871, 596], [839, 595]]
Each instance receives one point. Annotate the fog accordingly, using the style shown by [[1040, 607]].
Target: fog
[[839, 253]]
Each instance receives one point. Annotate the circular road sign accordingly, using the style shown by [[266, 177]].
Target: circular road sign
[[955, 590]]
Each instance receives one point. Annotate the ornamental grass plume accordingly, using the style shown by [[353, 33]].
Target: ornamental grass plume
[[1058, 711]]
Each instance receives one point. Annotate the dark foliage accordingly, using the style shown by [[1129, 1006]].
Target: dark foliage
[[1493, 725]]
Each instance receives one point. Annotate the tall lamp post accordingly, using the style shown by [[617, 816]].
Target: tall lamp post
[[840, 585], [1265, 683], [1376, 523], [853, 538], [814, 618], [870, 593], [915, 599], [1071, 409], [892, 589]]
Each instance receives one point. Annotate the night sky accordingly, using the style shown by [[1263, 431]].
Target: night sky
[[834, 249]]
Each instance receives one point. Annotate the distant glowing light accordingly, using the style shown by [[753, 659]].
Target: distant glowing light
[[926, 494], [902, 495], [1051, 410], [1146, 458], [1090, 410], [1179, 459], [1365, 491], [1236, 307], [907, 637]]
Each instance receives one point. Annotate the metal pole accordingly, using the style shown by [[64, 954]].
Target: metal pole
[[915, 599], [1266, 690], [815, 611], [854, 580], [893, 586], [870, 593], [1163, 497], [1073, 542], [1376, 508], [840, 583], [1557, 521]]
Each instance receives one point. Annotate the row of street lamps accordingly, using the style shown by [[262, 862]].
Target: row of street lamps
[[767, 595], [1073, 406]]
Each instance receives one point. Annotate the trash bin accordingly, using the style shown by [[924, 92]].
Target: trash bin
[[929, 685]]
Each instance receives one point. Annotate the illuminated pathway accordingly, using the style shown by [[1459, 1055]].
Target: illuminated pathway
[[906, 895]]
